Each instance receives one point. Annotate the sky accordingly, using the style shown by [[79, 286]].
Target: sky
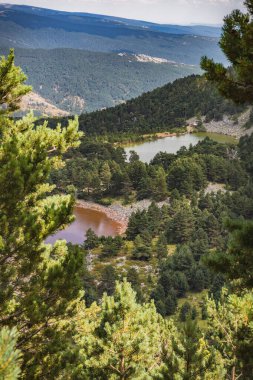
[[182, 12]]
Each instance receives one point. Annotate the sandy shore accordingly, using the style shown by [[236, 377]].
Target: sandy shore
[[162, 135]]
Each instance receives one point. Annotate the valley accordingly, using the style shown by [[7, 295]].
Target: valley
[[136, 56], [126, 198], [74, 80]]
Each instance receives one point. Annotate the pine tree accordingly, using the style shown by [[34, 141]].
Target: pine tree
[[145, 188], [237, 263], [236, 81], [141, 250], [134, 157], [159, 297], [40, 284], [186, 175], [212, 227], [170, 304], [185, 311], [199, 244], [137, 171], [134, 279], [10, 357], [105, 175], [162, 247], [181, 227], [155, 217], [107, 280], [138, 222], [12, 86], [230, 326], [187, 355], [92, 240], [159, 185], [125, 338]]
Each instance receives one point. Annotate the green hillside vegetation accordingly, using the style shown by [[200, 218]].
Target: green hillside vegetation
[[187, 227], [163, 109], [100, 170], [74, 80]]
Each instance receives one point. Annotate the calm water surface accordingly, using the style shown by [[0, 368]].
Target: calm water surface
[[172, 144], [148, 150], [85, 219]]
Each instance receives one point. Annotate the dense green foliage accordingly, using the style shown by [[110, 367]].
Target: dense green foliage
[[164, 109], [123, 339], [233, 316], [12, 86], [197, 229], [40, 284], [101, 170], [124, 331], [9, 356], [196, 226]]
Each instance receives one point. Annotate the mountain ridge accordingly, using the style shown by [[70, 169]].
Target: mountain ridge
[[201, 30], [30, 27]]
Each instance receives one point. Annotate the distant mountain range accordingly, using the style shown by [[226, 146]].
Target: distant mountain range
[[81, 62], [77, 21], [29, 27]]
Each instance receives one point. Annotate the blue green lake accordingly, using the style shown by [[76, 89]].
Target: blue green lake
[[172, 144]]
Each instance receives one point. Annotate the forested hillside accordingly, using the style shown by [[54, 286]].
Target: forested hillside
[[79, 81], [163, 109]]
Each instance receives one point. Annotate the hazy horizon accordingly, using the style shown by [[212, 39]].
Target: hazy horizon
[[180, 12]]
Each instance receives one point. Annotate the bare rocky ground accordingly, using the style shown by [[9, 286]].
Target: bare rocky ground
[[214, 188], [118, 212], [35, 102], [126, 211], [228, 126]]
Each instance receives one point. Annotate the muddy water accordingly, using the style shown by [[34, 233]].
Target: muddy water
[[85, 219]]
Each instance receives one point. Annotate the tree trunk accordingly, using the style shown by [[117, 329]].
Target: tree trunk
[[233, 373], [122, 368]]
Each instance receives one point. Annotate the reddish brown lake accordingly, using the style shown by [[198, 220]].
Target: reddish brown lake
[[85, 219]]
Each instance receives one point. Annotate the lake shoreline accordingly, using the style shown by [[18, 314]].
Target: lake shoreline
[[162, 135], [115, 216], [210, 129], [117, 212]]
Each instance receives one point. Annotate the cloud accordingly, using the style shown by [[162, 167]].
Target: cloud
[[218, 3]]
